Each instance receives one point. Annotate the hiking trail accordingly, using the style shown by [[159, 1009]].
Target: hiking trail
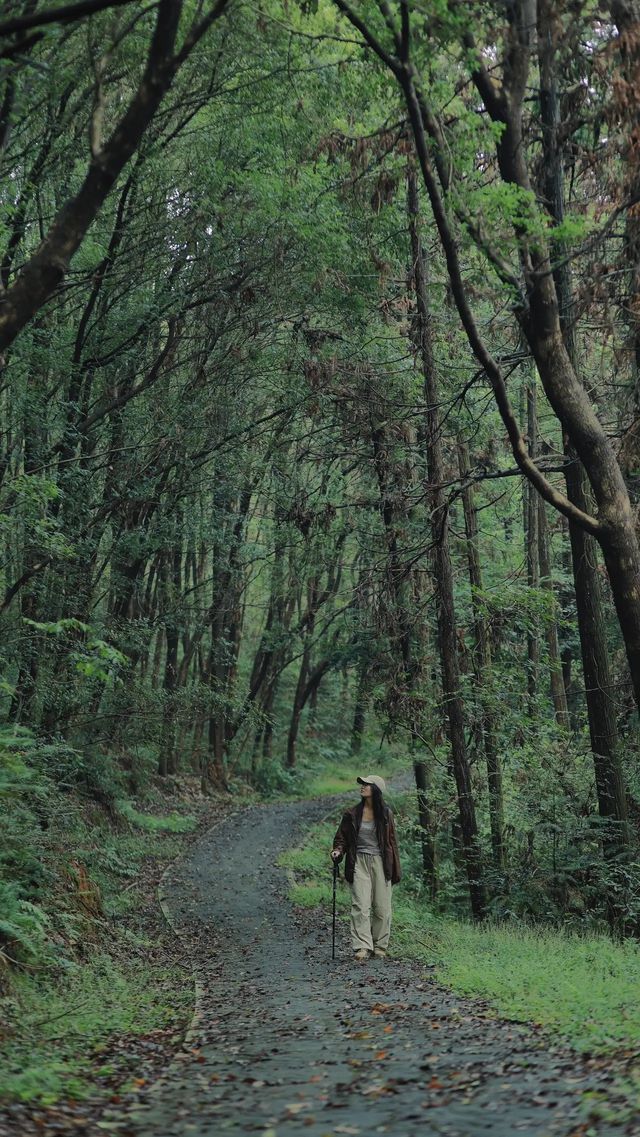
[[287, 1042]]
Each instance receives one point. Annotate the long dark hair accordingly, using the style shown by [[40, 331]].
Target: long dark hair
[[379, 809]]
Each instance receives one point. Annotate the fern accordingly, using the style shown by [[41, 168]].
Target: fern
[[22, 923]]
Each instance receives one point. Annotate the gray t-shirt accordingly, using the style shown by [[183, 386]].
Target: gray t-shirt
[[368, 839]]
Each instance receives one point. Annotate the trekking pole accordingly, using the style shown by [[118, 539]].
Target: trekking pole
[[336, 874]]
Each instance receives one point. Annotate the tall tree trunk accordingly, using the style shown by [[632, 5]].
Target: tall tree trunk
[[34, 447], [308, 678], [567, 600], [558, 693], [296, 713], [626, 15], [267, 708], [172, 580], [532, 551], [595, 660], [214, 763], [443, 571], [226, 630], [425, 819], [483, 666], [360, 707]]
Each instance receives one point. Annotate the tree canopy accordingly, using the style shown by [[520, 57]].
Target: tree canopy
[[319, 407]]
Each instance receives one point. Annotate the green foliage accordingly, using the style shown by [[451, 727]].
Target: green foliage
[[573, 228], [172, 823], [23, 922], [23, 925], [271, 779], [311, 871], [506, 202], [95, 659]]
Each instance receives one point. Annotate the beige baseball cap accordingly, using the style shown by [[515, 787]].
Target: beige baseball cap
[[373, 780]]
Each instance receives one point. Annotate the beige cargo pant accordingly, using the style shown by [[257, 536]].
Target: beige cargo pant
[[370, 904]]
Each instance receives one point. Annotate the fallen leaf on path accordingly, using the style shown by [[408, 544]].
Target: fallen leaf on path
[[297, 1106], [379, 1088]]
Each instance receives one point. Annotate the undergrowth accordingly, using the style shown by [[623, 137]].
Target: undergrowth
[[53, 1048], [325, 769], [78, 864]]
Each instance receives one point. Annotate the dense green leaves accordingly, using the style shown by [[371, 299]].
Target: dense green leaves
[[217, 509]]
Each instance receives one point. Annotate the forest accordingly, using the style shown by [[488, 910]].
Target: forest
[[320, 437]]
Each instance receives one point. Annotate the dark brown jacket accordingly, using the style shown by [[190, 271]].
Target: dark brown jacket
[[346, 840]]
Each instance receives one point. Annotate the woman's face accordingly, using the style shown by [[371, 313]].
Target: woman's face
[[366, 791]]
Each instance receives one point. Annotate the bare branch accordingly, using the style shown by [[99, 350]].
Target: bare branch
[[368, 36], [63, 15]]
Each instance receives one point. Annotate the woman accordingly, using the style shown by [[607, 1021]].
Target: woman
[[366, 837]]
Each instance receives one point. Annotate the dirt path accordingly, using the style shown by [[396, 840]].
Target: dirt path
[[290, 1043]]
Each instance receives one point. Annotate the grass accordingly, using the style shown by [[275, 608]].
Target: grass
[[54, 1050], [168, 823], [583, 990], [325, 768], [338, 775]]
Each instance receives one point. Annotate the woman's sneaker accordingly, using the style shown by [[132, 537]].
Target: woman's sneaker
[[361, 955], [379, 953]]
